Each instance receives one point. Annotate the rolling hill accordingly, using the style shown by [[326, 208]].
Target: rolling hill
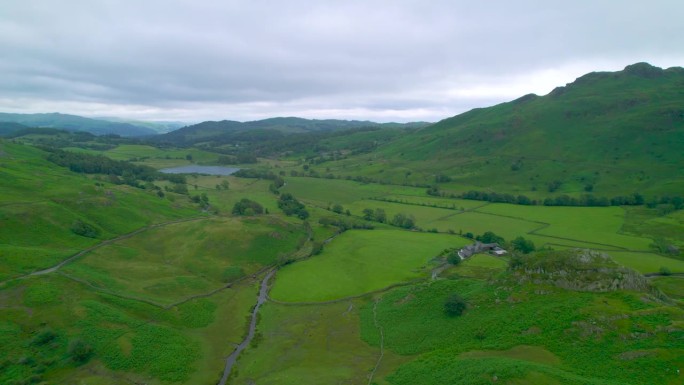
[[607, 133], [227, 131], [77, 123]]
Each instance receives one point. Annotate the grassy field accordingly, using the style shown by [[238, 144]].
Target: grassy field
[[170, 263], [131, 341], [599, 225], [578, 338], [317, 345], [646, 262], [482, 266], [325, 191], [358, 262]]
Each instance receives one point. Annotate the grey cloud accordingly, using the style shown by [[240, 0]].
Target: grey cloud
[[298, 57]]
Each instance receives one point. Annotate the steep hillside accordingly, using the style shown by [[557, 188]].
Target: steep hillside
[[77, 123], [607, 133]]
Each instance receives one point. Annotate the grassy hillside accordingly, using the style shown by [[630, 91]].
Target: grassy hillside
[[606, 133], [41, 202]]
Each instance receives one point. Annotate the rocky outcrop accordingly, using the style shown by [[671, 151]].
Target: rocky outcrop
[[580, 270]]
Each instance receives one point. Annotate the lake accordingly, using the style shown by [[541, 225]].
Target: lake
[[194, 169]]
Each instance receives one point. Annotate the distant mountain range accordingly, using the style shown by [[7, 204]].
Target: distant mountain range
[[71, 123], [179, 132], [228, 130]]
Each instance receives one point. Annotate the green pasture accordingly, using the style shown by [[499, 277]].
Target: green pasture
[[646, 262], [598, 225], [238, 188], [160, 157], [480, 266], [449, 203], [317, 345], [169, 263], [325, 191], [575, 338], [360, 261]]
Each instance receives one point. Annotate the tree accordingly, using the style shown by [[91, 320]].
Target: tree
[[80, 351], [404, 221], [247, 207], [337, 208], [455, 305], [453, 257], [380, 215], [523, 245], [368, 214], [490, 237]]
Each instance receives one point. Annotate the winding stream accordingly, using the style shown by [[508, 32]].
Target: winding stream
[[230, 361]]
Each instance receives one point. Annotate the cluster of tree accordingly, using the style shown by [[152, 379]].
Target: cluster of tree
[[377, 215], [277, 183], [202, 200], [586, 200], [666, 204], [495, 197], [255, 173], [345, 224], [406, 221], [84, 229], [490, 237], [519, 244], [441, 178], [523, 245], [247, 207], [291, 206], [97, 164], [223, 186]]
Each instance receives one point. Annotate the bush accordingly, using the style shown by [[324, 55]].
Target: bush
[[45, 336], [84, 229], [665, 271], [453, 257], [80, 351], [454, 305]]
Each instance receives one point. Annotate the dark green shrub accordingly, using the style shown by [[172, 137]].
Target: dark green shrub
[[454, 305]]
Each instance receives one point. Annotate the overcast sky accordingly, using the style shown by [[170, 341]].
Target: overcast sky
[[194, 60]]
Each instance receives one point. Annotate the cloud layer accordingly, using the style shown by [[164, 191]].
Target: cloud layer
[[378, 60]]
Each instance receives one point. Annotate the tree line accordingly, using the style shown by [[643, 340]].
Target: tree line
[[98, 164]]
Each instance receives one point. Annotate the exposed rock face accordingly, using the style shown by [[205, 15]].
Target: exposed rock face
[[580, 270]]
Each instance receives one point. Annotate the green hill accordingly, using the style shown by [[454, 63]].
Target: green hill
[[228, 131], [608, 133], [77, 123], [9, 128]]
